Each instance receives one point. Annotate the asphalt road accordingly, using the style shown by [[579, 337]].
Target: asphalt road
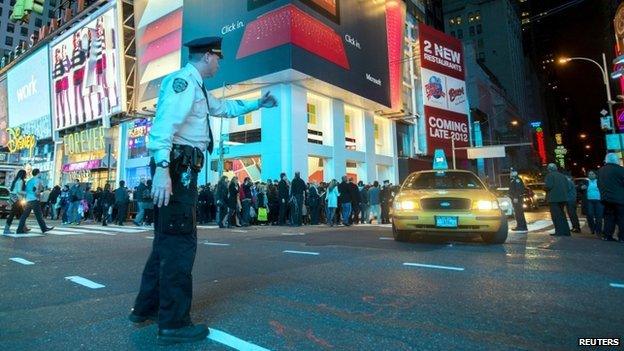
[[319, 288]]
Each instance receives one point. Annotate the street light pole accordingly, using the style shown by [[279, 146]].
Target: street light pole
[[604, 70]]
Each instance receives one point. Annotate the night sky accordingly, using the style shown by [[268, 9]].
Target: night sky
[[583, 30]]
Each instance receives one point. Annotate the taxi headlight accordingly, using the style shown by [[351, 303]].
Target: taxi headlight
[[405, 205], [485, 205]]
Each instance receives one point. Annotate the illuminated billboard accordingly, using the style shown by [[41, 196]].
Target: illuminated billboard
[[86, 74], [351, 44], [4, 112], [29, 95], [443, 90], [158, 45]]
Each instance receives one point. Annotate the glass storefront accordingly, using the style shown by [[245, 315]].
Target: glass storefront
[[137, 155], [243, 167]]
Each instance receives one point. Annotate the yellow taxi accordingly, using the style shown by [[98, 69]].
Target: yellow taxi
[[447, 203]]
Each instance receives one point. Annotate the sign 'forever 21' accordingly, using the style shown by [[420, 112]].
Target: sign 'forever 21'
[[444, 90]]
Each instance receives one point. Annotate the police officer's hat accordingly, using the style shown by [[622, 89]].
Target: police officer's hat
[[204, 45]]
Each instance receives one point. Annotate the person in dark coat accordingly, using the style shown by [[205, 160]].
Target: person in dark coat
[[611, 186], [354, 193], [54, 195], [314, 202], [106, 201], [234, 201], [221, 198], [298, 188], [210, 203], [364, 203], [273, 201], [516, 193], [283, 195], [344, 199], [557, 197], [386, 198], [121, 202], [202, 205], [571, 206]]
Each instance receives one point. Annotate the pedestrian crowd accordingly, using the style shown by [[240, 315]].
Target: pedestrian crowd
[[294, 202], [602, 200]]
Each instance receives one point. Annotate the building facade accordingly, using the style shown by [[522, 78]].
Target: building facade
[[12, 35]]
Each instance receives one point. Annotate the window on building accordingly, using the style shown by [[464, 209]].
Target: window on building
[[10, 27], [478, 16], [481, 57], [480, 43], [38, 23], [453, 33], [52, 3], [8, 41], [24, 31], [452, 21], [245, 119], [0, 11], [312, 118], [347, 124], [458, 20], [479, 29], [51, 14], [472, 31], [377, 135], [460, 34], [470, 17]]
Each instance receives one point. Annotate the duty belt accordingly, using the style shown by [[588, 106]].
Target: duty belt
[[186, 156]]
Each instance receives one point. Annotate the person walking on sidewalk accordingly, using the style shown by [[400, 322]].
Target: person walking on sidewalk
[[18, 191], [611, 185], [516, 193], [143, 200], [572, 205], [595, 209], [34, 187], [107, 200], [557, 198], [121, 202], [75, 197]]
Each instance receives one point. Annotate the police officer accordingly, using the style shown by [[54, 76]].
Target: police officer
[[516, 192], [179, 135]]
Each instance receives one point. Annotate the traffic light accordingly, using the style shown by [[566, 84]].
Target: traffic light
[[19, 11]]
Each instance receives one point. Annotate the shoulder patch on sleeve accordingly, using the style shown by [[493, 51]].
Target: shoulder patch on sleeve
[[179, 85], [240, 102]]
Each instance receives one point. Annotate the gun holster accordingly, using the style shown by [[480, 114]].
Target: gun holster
[[185, 156]]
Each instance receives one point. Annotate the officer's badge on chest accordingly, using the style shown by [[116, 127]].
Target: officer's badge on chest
[[179, 85]]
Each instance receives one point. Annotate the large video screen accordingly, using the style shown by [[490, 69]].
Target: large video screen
[[29, 96], [86, 76], [158, 45], [4, 112], [345, 43]]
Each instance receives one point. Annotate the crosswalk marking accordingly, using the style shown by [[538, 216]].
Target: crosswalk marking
[[21, 261], [232, 341], [433, 266], [56, 232], [207, 226], [118, 229], [85, 282], [22, 235], [77, 230]]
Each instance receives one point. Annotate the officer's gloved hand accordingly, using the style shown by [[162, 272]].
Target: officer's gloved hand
[[267, 100], [161, 187]]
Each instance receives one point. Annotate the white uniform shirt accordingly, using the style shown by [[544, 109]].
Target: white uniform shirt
[[182, 111]]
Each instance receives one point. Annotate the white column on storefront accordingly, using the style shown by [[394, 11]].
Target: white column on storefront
[[297, 114], [338, 164], [369, 138], [273, 133], [395, 159]]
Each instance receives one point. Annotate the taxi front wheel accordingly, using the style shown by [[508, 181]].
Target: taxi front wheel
[[400, 235], [498, 237]]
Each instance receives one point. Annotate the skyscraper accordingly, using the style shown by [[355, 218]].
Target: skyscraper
[[12, 34]]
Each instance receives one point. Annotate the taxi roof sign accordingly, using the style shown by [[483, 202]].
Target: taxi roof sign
[[439, 160]]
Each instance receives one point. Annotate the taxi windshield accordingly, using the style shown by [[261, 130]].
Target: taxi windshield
[[443, 180]]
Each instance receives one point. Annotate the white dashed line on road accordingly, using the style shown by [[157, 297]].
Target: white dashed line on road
[[301, 252], [149, 237], [84, 282], [239, 231], [293, 234], [433, 266], [21, 261], [207, 226], [215, 244], [232, 341], [616, 285], [386, 238], [77, 230], [22, 235]]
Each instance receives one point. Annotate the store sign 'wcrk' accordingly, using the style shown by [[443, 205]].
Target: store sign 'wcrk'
[[85, 141], [19, 141]]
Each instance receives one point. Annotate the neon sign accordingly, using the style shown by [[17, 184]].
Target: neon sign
[[18, 142], [541, 147]]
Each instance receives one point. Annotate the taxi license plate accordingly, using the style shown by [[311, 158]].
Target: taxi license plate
[[446, 222]]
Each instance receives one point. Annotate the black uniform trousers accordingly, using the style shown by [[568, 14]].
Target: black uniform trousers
[[613, 215], [521, 223], [571, 209], [167, 283], [559, 218]]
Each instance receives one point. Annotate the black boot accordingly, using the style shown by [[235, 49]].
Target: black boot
[[186, 334]]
